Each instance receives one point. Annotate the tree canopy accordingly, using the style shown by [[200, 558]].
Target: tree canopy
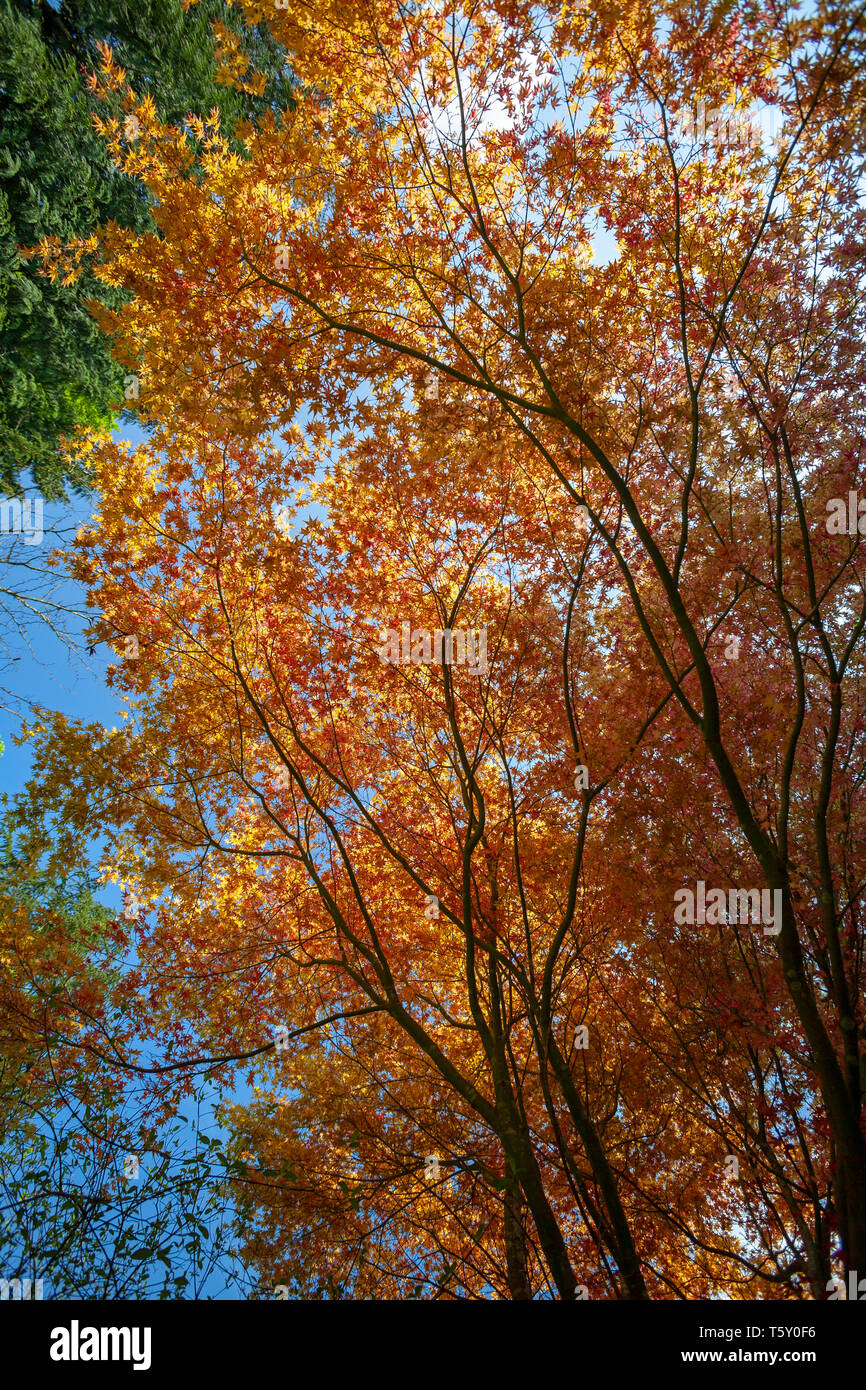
[[489, 614]]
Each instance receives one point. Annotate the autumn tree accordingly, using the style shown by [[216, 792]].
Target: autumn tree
[[640, 478], [374, 785]]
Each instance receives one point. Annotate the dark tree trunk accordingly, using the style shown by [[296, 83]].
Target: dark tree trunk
[[515, 1246]]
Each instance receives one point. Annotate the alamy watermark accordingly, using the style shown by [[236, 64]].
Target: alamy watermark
[[21, 1288], [847, 520], [23, 516], [724, 126], [744, 905], [854, 1293], [422, 646]]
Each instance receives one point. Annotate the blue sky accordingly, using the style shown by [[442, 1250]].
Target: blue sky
[[37, 667]]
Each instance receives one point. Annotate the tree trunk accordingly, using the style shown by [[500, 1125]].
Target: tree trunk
[[515, 1246]]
